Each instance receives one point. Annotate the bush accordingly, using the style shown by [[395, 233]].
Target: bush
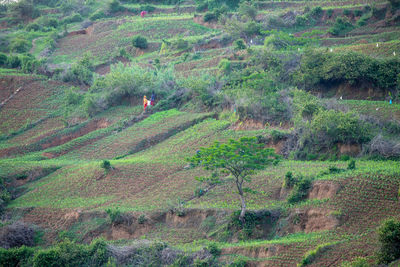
[[289, 180], [389, 237], [247, 9], [300, 190], [24, 9], [81, 72], [341, 27], [353, 68], [214, 249], [21, 256], [329, 127], [13, 62], [115, 6], [32, 27], [73, 97], [114, 214], [357, 262], [139, 42], [142, 219], [312, 255], [148, 8], [210, 16], [106, 165], [19, 45], [68, 253], [3, 59], [76, 17], [239, 44], [16, 235], [351, 165], [97, 15]]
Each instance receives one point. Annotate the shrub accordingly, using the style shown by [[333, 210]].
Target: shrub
[[330, 126], [114, 6], [32, 27], [214, 249], [357, 262], [348, 12], [73, 97], [76, 17], [97, 15], [239, 44], [351, 165], [247, 9], [312, 255], [19, 45], [300, 190], [53, 23], [341, 27], [289, 180], [16, 235], [3, 59], [13, 61], [81, 72], [106, 165], [395, 4], [142, 219], [113, 214], [23, 9], [329, 13], [139, 42], [148, 8], [316, 12], [210, 16], [389, 237], [21, 256]]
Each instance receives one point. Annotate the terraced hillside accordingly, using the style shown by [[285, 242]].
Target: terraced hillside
[[316, 81]]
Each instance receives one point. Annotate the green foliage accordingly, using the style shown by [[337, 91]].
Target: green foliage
[[13, 61], [75, 17], [142, 219], [68, 253], [23, 9], [209, 16], [113, 214], [106, 165], [389, 237], [239, 44], [247, 9], [114, 6], [239, 262], [351, 165], [312, 255], [225, 66], [3, 59], [81, 72], [21, 256], [357, 262], [73, 97], [354, 68], [32, 27], [19, 45], [283, 41], [214, 249], [300, 190], [240, 158], [330, 126], [289, 180], [97, 15], [341, 27], [395, 4], [139, 42]]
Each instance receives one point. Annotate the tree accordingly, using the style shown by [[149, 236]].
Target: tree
[[240, 158], [389, 236], [139, 42]]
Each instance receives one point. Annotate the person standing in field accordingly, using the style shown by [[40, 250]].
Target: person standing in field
[[144, 103]]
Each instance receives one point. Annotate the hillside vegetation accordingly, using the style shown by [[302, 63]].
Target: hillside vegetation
[[273, 140]]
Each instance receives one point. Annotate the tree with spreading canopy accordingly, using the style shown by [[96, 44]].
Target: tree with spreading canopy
[[240, 158]]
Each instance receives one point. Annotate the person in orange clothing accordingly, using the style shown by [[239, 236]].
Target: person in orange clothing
[[144, 103]]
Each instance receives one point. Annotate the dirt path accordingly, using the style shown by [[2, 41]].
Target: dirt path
[[34, 45]]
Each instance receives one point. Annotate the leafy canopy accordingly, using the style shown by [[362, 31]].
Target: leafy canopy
[[240, 157]]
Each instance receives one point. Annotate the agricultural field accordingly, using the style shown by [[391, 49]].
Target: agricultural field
[[270, 135]]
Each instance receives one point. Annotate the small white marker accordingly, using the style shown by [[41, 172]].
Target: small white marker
[[330, 50], [394, 53], [377, 44]]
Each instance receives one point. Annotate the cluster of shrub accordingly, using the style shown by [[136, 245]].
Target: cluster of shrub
[[26, 62], [319, 67]]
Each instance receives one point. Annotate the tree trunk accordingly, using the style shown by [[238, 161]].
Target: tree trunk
[[243, 211]]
